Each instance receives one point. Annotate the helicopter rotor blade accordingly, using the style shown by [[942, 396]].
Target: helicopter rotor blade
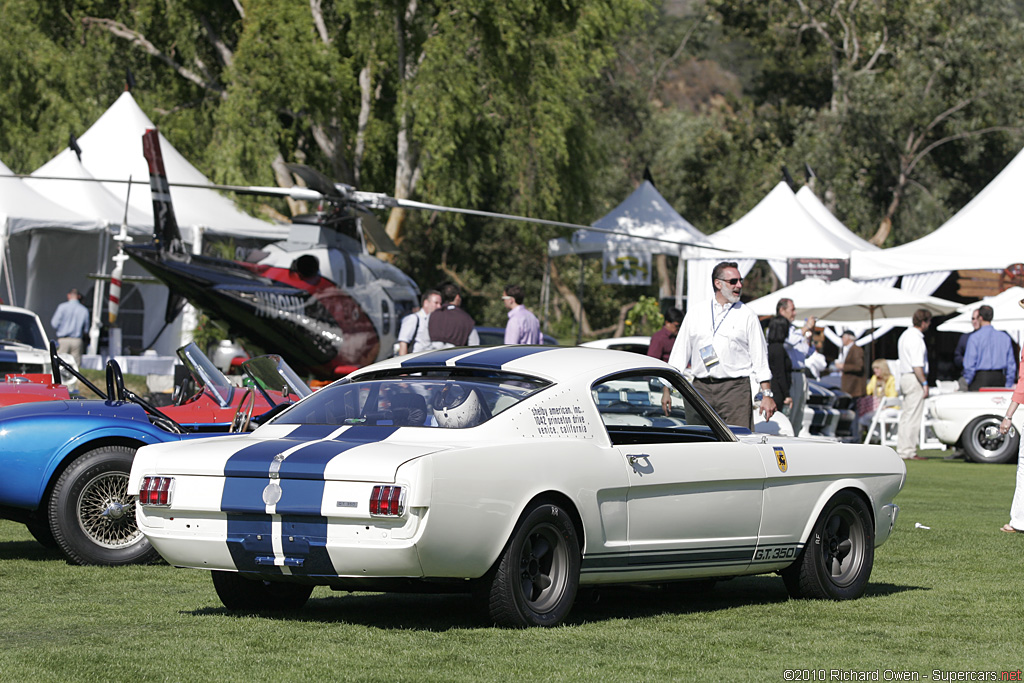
[[381, 201], [374, 200]]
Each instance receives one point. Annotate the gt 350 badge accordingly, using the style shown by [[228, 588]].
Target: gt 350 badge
[[780, 458]]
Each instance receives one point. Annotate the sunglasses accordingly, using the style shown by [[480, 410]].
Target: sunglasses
[[732, 281]]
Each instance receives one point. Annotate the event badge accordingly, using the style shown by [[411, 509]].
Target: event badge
[[708, 355]]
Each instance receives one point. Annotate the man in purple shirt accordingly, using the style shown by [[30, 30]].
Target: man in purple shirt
[[989, 360], [523, 326]]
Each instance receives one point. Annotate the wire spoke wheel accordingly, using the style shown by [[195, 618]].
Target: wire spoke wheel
[[91, 514], [106, 513]]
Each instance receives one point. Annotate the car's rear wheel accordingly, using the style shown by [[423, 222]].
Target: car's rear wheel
[[92, 517], [536, 579], [837, 560], [242, 594], [983, 443]]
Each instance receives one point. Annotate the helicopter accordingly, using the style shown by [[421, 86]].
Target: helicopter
[[278, 297]]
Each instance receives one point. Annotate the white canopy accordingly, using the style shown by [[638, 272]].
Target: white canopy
[[985, 234], [1007, 314], [87, 196], [112, 149], [827, 220], [22, 208], [649, 221], [49, 248], [845, 299], [780, 227]]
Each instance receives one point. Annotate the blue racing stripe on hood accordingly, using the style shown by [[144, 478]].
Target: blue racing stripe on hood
[[496, 357], [9, 356]]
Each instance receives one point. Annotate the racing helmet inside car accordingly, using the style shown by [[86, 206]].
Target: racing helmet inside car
[[457, 406]]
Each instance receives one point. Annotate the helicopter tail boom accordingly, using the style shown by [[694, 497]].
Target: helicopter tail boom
[[165, 226]]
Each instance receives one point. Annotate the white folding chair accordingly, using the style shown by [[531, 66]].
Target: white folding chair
[[885, 422]]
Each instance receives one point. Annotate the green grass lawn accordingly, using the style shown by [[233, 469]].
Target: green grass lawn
[[949, 598]]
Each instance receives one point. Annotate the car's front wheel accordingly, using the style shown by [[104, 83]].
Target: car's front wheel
[[836, 562], [983, 443], [92, 517], [536, 579], [242, 594]]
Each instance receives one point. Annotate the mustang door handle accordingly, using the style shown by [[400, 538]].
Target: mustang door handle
[[640, 468]]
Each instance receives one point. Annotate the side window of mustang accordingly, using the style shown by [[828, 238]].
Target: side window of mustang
[[639, 401]]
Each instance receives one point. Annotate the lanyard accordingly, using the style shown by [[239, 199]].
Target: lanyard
[[714, 327]]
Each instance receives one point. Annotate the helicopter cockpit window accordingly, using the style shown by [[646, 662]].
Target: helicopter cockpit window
[[428, 399], [207, 375]]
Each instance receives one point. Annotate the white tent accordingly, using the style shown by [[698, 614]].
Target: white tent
[[985, 234], [647, 220], [827, 219], [112, 149], [88, 197], [1007, 314], [24, 216], [778, 228], [92, 198]]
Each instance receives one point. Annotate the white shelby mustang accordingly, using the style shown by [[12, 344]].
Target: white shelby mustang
[[518, 473]]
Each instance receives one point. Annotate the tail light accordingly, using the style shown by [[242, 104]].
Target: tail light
[[156, 491], [387, 501]]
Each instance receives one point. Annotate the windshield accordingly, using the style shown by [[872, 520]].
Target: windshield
[[276, 379], [449, 399], [206, 375], [20, 328]]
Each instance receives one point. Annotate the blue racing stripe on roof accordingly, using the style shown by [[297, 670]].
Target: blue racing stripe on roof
[[494, 358], [366, 434], [309, 432], [435, 358]]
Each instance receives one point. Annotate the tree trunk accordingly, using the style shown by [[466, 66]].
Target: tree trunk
[[572, 300]]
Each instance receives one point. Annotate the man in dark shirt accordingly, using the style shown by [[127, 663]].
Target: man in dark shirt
[[450, 325], [662, 340]]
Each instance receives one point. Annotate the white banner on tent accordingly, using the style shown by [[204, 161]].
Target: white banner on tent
[[626, 266]]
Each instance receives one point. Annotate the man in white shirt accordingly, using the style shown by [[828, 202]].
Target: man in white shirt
[[722, 342], [414, 335], [913, 379], [799, 348]]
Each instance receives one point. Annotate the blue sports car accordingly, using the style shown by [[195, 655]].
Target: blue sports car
[[66, 463]]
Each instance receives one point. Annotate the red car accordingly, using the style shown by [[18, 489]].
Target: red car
[[205, 400]]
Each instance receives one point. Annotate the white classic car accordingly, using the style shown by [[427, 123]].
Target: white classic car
[[517, 473], [23, 346], [970, 419]]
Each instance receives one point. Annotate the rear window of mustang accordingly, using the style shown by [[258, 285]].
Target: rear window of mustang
[[439, 398]]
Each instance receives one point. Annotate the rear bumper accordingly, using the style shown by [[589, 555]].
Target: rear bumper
[[272, 545]]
